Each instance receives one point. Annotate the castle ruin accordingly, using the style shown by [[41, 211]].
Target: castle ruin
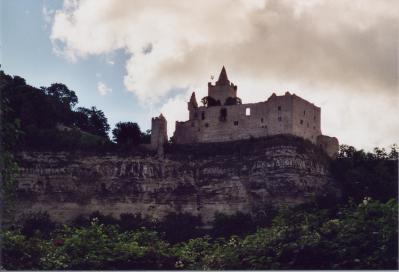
[[224, 118]]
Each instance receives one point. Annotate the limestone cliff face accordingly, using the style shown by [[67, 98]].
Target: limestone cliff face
[[237, 177]]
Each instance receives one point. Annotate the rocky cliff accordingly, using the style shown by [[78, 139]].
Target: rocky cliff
[[202, 179]]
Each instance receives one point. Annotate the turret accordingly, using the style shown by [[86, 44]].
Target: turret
[[223, 88], [159, 134], [192, 105]]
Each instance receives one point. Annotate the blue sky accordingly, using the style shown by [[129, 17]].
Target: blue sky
[[27, 51], [340, 55]]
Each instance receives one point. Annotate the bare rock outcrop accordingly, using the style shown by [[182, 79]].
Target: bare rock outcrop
[[201, 180]]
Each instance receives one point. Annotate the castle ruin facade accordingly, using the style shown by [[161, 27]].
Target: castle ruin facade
[[224, 118]]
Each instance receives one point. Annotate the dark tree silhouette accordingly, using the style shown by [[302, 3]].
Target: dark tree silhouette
[[127, 133], [38, 114], [62, 93], [209, 101], [233, 101], [93, 121], [364, 174]]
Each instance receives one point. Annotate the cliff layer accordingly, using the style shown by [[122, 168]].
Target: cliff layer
[[200, 179]]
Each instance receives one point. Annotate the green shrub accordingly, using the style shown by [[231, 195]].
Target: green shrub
[[236, 224], [362, 236], [37, 224]]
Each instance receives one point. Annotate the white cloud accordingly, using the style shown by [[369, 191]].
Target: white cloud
[[103, 89], [323, 49]]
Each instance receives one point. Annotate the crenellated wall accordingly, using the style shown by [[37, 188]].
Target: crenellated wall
[[203, 179]]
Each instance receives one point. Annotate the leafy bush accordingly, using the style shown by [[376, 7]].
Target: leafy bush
[[362, 236], [227, 225], [37, 224], [20, 252], [180, 227]]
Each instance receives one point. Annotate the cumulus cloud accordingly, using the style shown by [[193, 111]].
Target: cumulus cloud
[[324, 49], [103, 89]]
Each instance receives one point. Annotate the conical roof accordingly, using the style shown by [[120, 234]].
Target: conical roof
[[193, 100], [223, 79]]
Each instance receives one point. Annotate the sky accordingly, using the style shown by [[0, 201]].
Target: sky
[[137, 59]]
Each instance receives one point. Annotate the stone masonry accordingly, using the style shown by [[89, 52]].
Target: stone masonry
[[285, 114]]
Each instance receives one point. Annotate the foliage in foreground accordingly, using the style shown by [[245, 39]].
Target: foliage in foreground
[[362, 236]]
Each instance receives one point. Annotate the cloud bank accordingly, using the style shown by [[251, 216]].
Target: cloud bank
[[341, 55]]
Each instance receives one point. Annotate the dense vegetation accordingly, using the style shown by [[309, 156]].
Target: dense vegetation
[[355, 231], [356, 236], [48, 119]]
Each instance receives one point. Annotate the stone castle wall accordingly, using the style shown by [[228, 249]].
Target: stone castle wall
[[159, 134], [244, 177], [287, 114], [305, 119]]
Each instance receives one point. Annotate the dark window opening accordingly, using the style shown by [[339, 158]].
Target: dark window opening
[[195, 115], [307, 124], [314, 127], [261, 120], [236, 123], [279, 108], [301, 122], [314, 118], [206, 125], [223, 114], [203, 115], [279, 119], [304, 112], [103, 188]]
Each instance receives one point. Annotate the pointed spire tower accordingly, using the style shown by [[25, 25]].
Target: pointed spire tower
[[192, 106], [193, 101], [223, 88], [223, 79]]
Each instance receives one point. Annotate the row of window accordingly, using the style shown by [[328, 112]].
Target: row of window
[[223, 114], [261, 120]]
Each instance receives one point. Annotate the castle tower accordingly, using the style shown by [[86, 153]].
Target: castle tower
[[159, 134], [223, 88], [192, 105]]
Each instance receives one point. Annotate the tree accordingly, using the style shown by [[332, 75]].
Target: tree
[[18, 81], [9, 135], [62, 93], [364, 174], [233, 101], [146, 137], [209, 101], [127, 133], [92, 121]]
